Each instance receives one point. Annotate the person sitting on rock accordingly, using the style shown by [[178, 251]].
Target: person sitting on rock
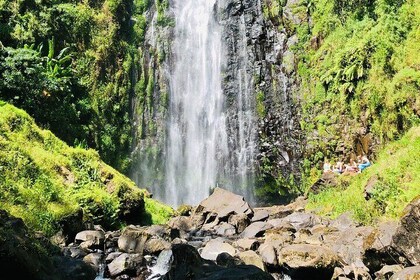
[[364, 164], [338, 167], [327, 166], [351, 167]]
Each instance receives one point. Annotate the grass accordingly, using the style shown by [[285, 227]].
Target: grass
[[397, 170], [43, 180]]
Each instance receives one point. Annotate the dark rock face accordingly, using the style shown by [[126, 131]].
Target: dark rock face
[[407, 239], [19, 255], [255, 45]]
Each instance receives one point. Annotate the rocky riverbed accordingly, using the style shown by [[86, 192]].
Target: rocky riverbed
[[225, 238]]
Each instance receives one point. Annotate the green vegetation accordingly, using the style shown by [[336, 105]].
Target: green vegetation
[[70, 66], [361, 82], [360, 74], [44, 180], [359, 78], [156, 212], [396, 181]]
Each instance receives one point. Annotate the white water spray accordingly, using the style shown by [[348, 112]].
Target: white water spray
[[197, 134]]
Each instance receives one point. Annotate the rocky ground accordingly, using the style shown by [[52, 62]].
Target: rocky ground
[[224, 238]]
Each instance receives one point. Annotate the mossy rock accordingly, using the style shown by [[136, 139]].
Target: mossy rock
[[55, 181]]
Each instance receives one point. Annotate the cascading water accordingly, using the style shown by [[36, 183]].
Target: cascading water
[[197, 134], [210, 132], [245, 137]]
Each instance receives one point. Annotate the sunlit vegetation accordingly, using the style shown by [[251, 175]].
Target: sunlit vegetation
[[395, 178], [360, 74], [359, 77], [43, 180], [70, 65]]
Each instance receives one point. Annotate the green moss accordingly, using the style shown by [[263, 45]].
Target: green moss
[[260, 104], [42, 174], [157, 212]]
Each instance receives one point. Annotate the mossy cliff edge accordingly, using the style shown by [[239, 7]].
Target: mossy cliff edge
[[51, 185]]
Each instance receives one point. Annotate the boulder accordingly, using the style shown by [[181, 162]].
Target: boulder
[[406, 240], [378, 246], [125, 264], [225, 229], [369, 189], [226, 260], [224, 203], [133, 239], [155, 245], [349, 244], [216, 246], [69, 269], [94, 260], [256, 229], [246, 244], [343, 222], [268, 254], [182, 223], [163, 264], [309, 261], [186, 263], [408, 273], [252, 258], [301, 220], [239, 221], [260, 214], [90, 238]]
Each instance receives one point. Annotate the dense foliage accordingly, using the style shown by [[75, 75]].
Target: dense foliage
[[69, 64], [360, 73], [360, 82], [47, 181]]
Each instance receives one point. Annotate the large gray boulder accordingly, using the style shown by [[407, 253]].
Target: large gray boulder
[[224, 203], [408, 273], [378, 246], [90, 239], [215, 247], [406, 240], [125, 264], [256, 229], [309, 261], [133, 240]]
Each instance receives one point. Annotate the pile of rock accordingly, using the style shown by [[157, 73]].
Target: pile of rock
[[224, 238]]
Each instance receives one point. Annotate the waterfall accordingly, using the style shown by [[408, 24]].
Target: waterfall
[[207, 75], [197, 135], [245, 146]]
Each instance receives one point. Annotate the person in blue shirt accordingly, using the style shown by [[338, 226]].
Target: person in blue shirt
[[365, 163]]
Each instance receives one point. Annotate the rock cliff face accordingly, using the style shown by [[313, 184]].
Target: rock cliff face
[[259, 83], [261, 46]]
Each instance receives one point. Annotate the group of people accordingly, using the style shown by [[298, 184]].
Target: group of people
[[354, 166]]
